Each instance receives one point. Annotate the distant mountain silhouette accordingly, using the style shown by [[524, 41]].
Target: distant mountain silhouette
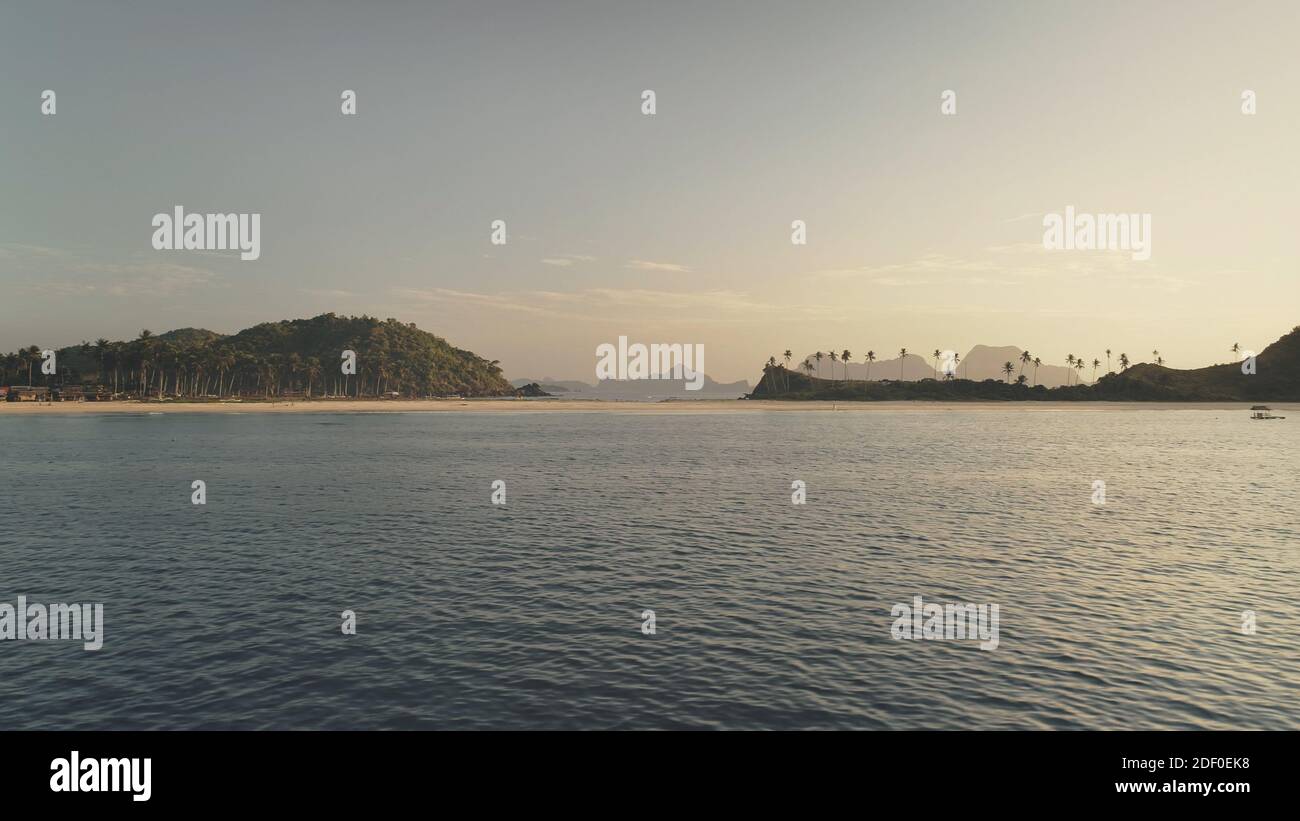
[[914, 368], [979, 363], [1276, 379], [983, 362], [637, 388]]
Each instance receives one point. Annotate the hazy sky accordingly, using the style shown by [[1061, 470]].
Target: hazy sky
[[924, 230]]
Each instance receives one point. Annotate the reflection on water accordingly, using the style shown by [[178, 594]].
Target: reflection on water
[[768, 614]]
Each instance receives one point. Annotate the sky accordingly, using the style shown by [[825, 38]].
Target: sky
[[924, 230]]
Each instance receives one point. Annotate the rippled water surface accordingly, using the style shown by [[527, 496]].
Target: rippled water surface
[[769, 614]]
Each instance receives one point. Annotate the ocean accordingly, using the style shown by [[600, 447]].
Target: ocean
[[1166, 604]]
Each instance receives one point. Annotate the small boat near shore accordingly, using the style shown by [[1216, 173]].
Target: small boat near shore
[[1263, 412]]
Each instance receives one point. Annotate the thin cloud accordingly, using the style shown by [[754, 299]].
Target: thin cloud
[[630, 304], [647, 265], [567, 260], [35, 269]]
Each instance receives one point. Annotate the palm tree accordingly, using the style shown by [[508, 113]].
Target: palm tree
[[808, 367], [295, 365], [902, 359], [1025, 358], [1108, 360], [1069, 363], [145, 361], [870, 357], [834, 358], [1236, 349], [1155, 355], [786, 376], [1123, 362], [956, 360], [101, 347], [271, 369], [845, 356], [1160, 360], [1095, 363], [1037, 363], [818, 357], [1078, 366], [32, 353], [937, 354], [313, 372], [1008, 369]]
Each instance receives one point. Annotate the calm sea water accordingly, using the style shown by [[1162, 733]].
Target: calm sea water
[[769, 615]]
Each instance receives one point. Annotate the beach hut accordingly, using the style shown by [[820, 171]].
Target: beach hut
[[1263, 412], [27, 393]]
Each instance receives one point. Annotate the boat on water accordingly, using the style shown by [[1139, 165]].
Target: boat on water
[[1263, 412]]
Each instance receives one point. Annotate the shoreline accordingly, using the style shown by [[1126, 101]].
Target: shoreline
[[27, 409]]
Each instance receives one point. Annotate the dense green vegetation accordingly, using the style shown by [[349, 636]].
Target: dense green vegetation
[[1276, 378], [294, 357]]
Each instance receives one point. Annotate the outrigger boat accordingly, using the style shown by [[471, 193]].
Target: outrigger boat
[[1263, 412]]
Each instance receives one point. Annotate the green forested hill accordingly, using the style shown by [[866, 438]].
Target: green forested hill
[[300, 355], [1276, 378]]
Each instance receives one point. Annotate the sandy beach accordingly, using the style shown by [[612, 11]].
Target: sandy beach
[[14, 409]]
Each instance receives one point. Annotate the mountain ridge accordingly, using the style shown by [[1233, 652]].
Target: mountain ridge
[[1276, 378]]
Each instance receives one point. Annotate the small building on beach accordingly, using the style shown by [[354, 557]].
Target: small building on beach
[[27, 393]]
